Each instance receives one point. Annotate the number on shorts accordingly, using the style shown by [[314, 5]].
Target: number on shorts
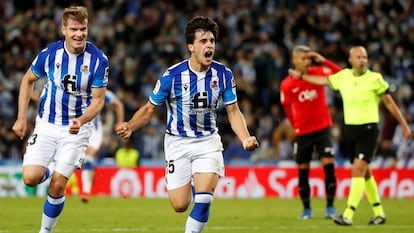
[[170, 166], [32, 139]]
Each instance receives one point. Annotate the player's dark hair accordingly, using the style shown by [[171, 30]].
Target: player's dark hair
[[200, 23]]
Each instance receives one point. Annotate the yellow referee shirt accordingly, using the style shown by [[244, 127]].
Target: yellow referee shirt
[[360, 95]]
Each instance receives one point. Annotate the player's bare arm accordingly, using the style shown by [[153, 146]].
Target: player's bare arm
[[393, 108], [315, 79], [119, 112], [138, 120], [25, 93], [238, 124], [98, 102]]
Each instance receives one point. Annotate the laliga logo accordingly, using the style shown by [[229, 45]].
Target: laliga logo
[[126, 183]]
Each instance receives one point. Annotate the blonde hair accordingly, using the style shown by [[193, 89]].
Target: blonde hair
[[77, 13], [300, 49]]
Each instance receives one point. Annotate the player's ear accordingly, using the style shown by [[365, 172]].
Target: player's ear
[[63, 30], [190, 47]]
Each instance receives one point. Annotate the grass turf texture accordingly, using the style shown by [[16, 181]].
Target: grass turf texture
[[104, 215]]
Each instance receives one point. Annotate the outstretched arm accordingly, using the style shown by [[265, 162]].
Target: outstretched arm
[[315, 79], [238, 124]]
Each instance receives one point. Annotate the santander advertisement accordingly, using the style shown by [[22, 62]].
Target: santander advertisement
[[239, 182]]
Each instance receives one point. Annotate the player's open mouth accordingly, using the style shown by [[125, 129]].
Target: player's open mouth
[[208, 54]]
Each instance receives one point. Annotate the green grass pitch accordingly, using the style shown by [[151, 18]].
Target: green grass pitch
[[105, 215]]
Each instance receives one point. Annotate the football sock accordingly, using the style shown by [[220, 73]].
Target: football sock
[[45, 176], [371, 191], [355, 195], [330, 184], [51, 210], [304, 189], [87, 175], [198, 217]]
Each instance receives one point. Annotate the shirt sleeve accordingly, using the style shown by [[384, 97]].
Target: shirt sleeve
[[162, 89]]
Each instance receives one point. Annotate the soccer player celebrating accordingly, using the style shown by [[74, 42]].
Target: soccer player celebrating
[[77, 76], [193, 149], [306, 108], [361, 90]]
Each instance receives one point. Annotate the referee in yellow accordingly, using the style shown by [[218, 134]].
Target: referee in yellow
[[361, 90]]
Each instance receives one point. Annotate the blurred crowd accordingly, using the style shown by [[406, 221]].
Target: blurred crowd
[[143, 37]]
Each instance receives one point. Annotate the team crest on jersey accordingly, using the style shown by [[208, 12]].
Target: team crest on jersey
[[85, 68], [214, 84], [233, 82], [157, 87]]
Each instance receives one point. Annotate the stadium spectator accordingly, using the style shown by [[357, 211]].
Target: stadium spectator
[[72, 97], [361, 117], [193, 149], [306, 108], [127, 156]]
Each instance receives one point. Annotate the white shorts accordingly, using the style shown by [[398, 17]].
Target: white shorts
[[186, 156], [51, 142], [95, 140]]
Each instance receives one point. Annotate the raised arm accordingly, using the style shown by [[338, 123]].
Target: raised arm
[[317, 57]]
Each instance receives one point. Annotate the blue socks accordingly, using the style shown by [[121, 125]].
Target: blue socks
[[200, 213], [51, 210]]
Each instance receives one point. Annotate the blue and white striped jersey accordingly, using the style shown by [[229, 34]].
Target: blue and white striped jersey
[[192, 97], [67, 93]]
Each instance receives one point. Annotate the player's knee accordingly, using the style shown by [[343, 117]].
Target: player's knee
[[180, 207], [31, 181], [32, 177], [180, 204], [57, 186]]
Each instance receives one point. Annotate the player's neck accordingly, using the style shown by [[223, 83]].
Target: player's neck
[[196, 66], [72, 50]]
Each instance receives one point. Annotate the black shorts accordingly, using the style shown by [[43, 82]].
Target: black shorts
[[361, 141], [319, 142]]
